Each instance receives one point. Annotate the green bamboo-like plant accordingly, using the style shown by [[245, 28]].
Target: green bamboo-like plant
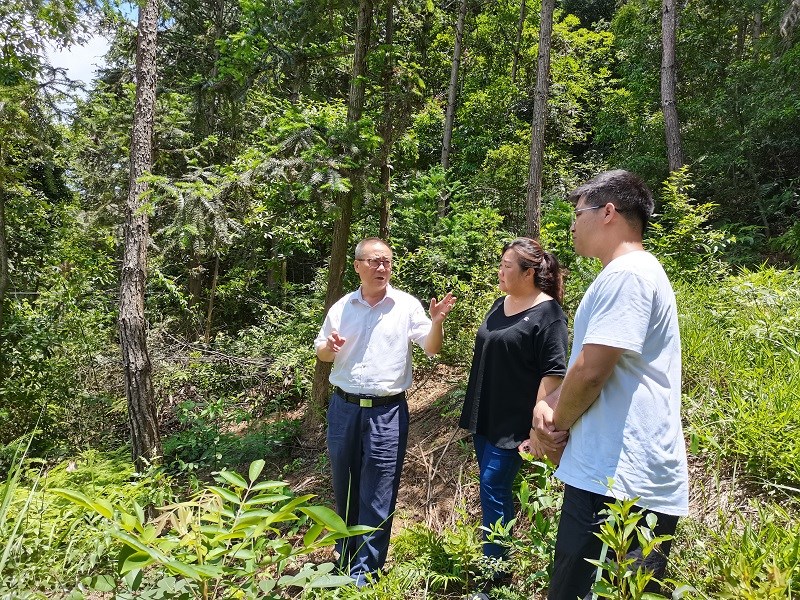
[[231, 540], [622, 578]]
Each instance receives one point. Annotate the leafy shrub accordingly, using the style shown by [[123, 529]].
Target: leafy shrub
[[234, 539], [204, 446], [459, 253], [618, 579], [682, 238]]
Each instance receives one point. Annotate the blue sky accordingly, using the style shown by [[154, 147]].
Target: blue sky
[[81, 62]]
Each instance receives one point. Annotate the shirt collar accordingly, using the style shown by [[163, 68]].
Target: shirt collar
[[391, 294]]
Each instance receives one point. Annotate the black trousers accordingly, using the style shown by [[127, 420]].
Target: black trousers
[[581, 518]]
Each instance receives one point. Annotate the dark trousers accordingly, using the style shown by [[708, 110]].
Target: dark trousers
[[498, 467], [581, 518], [367, 447]]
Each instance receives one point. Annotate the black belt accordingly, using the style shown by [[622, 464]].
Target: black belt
[[369, 400]]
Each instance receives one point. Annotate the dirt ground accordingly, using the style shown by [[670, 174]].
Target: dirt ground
[[439, 466]]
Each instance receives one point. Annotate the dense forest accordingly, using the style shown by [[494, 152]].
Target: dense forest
[[172, 234]]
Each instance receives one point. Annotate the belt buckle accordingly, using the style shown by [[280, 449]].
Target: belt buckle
[[365, 402]]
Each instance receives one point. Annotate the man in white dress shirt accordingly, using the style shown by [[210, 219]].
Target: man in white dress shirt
[[367, 334]]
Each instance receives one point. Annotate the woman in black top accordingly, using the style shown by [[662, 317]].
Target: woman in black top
[[520, 355]]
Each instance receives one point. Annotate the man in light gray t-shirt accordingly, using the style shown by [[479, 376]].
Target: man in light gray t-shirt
[[614, 425]]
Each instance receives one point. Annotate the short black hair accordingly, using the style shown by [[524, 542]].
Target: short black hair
[[625, 190]]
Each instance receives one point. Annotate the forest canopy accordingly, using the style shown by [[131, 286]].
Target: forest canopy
[[215, 235]]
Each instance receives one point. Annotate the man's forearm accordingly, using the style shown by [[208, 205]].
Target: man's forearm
[[325, 354], [576, 397], [433, 343], [583, 383]]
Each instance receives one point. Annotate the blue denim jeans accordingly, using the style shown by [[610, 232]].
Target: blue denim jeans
[[498, 468]]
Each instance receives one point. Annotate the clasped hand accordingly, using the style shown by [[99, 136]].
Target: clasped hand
[[545, 439]]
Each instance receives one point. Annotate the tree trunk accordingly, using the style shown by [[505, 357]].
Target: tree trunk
[[452, 89], [211, 295], [3, 257], [142, 414], [518, 42], [314, 414], [672, 128], [387, 123], [195, 284], [533, 199]]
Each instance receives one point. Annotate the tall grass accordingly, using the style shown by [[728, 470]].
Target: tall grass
[[741, 349]]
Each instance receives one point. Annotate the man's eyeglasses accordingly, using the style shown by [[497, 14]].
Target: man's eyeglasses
[[374, 263], [578, 211]]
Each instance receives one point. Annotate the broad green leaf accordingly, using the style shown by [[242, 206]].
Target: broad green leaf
[[139, 512], [269, 485], [104, 507], [133, 579], [225, 494], [233, 478], [101, 583], [268, 499], [267, 585], [243, 554], [312, 534], [134, 561], [74, 497], [324, 515], [255, 469], [328, 581]]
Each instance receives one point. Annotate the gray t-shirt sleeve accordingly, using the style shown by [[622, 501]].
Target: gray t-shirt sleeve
[[621, 312]]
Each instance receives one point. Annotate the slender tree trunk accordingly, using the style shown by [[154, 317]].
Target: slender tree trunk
[[142, 414], [757, 24], [518, 41], [3, 257], [387, 123], [314, 414], [533, 199], [452, 90], [195, 282], [672, 127], [211, 295], [789, 20]]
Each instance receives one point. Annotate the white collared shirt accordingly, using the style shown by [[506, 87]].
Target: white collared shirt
[[376, 356]]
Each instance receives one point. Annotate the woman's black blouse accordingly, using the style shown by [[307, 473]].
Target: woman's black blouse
[[512, 355]]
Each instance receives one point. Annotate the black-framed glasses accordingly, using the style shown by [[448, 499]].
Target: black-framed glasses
[[374, 263]]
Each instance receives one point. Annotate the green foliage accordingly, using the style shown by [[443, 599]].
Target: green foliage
[[56, 341], [752, 554], [534, 536], [741, 347], [452, 558], [51, 545], [458, 252], [682, 238], [204, 445], [624, 577], [231, 539]]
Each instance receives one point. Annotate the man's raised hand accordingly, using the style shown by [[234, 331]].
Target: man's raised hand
[[439, 310]]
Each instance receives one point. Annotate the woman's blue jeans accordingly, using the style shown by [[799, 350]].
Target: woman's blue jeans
[[498, 468]]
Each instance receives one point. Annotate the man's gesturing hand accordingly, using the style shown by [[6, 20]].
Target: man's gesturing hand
[[439, 310], [335, 342]]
